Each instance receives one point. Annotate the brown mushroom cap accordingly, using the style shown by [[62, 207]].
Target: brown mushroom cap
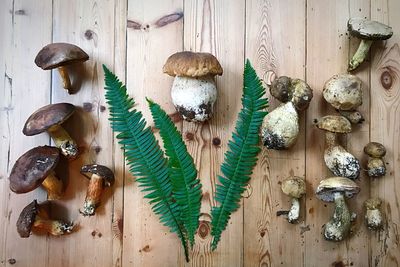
[[375, 150], [32, 168], [26, 219], [328, 187], [191, 64], [335, 124], [47, 116], [59, 54], [369, 29], [373, 203], [101, 171], [294, 187]]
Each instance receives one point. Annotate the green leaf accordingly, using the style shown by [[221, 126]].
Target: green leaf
[[241, 156], [186, 187], [143, 155]]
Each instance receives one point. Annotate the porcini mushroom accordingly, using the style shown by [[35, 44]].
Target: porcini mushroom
[[58, 56], [376, 166], [335, 189], [373, 215], [368, 31], [337, 159], [35, 217], [36, 168], [100, 177], [295, 187], [194, 91], [49, 118], [355, 117]]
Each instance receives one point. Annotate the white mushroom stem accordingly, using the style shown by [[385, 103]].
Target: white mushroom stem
[[63, 140], [373, 218], [294, 211], [339, 225], [65, 78], [54, 186], [360, 54]]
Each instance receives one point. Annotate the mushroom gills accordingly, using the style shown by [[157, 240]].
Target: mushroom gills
[[342, 163], [54, 186], [360, 54], [63, 141], [339, 226], [93, 195]]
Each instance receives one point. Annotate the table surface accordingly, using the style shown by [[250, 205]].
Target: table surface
[[306, 39]]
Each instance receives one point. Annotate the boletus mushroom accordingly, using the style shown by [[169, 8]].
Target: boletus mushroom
[[35, 217], [59, 56], [354, 116], [376, 166], [373, 215], [368, 31], [336, 189], [337, 159], [49, 118], [194, 91], [99, 178], [36, 168], [294, 187]]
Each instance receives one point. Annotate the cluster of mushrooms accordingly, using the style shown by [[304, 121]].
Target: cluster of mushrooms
[[37, 166], [344, 93]]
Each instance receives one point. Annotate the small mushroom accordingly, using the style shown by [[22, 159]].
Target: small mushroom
[[58, 56], [36, 168], [49, 118], [35, 217], [335, 189], [354, 116], [100, 177], [337, 159], [194, 91], [376, 166], [368, 31], [373, 215], [295, 187]]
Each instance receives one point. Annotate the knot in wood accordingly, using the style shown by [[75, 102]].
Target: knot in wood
[[216, 141], [386, 80], [204, 229]]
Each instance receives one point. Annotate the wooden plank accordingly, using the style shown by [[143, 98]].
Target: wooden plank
[[275, 41], [385, 128], [24, 87], [216, 27]]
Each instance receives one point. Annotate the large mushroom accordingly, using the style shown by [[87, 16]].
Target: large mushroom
[[336, 189], [36, 168], [100, 177], [373, 214], [376, 166], [194, 91], [49, 118], [337, 159], [368, 31], [35, 217], [58, 56], [294, 187]]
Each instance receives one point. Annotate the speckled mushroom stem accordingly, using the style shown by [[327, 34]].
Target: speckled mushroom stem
[[294, 211], [63, 140], [53, 227], [330, 139], [65, 78], [93, 195], [360, 54], [54, 186], [339, 225], [373, 219]]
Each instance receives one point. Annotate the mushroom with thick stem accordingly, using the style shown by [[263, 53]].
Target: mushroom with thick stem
[[35, 217], [35, 168], [368, 31], [58, 56], [295, 187], [193, 91], [376, 166], [100, 177], [337, 159], [373, 215], [49, 118], [336, 189]]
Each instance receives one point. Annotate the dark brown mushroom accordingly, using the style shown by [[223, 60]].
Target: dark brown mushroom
[[49, 118], [35, 168], [100, 177], [60, 55]]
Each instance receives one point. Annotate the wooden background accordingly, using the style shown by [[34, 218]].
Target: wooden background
[[299, 38]]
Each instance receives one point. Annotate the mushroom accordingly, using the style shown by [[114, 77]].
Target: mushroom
[[335, 189], [35, 217], [355, 117], [368, 31], [100, 177], [295, 187], [376, 166], [60, 55], [373, 215], [194, 91], [35, 168], [337, 159], [49, 118]]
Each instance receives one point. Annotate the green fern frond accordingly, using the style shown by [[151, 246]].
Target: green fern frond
[[186, 187], [143, 155], [242, 153]]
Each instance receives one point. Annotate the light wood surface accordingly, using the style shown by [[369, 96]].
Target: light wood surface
[[305, 39]]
